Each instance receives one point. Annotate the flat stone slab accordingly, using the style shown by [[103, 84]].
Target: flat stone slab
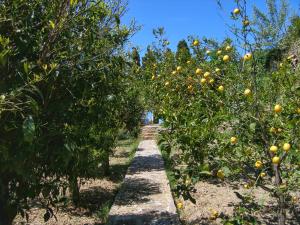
[[145, 197]]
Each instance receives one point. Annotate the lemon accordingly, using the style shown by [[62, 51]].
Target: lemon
[[258, 164], [247, 57], [198, 71], [179, 68], [196, 43], [226, 58], [228, 48], [233, 140], [218, 70], [275, 160], [246, 23], [219, 52], [220, 174], [167, 83], [203, 81], [294, 199], [188, 62], [206, 74], [246, 186], [188, 182], [214, 214], [153, 77], [221, 88], [179, 205], [211, 81], [262, 174], [174, 72], [277, 108], [247, 92], [208, 52], [286, 147], [273, 148], [236, 11]]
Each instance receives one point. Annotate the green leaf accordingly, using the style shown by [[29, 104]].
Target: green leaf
[[29, 129], [252, 127]]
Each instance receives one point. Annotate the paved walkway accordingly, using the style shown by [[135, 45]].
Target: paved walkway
[[145, 197]]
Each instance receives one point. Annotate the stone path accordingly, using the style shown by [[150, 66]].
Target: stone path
[[145, 197]]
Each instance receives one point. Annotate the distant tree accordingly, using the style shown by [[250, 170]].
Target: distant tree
[[136, 56], [270, 27], [183, 52]]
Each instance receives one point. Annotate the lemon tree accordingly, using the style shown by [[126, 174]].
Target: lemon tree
[[229, 114]]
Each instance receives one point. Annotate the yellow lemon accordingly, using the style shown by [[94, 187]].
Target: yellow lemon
[[262, 174], [221, 88], [226, 58], [179, 68], [277, 108], [275, 160], [220, 174], [228, 48], [198, 71], [208, 52], [247, 57], [247, 92], [179, 205], [188, 62], [167, 83], [294, 199], [286, 147], [188, 182], [236, 11], [211, 81], [206, 74], [246, 186], [233, 140], [196, 43], [153, 77], [214, 215], [174, 72], [219, 52], [218, 70], [258, 164], [203, 81], [246, 23], [273, 148]]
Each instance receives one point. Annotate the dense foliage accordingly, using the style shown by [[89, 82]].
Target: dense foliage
[[66, 87], [230, 114]]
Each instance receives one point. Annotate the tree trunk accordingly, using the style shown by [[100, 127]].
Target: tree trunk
[[74, 189], [7, 211], [105, 164], [281, 198]]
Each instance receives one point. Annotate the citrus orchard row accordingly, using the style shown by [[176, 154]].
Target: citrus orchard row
[[228, 115]]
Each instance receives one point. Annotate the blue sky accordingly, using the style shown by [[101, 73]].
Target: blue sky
[[181, 18]]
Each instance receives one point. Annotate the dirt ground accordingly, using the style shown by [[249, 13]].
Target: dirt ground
[[97, 195], [214, 196]]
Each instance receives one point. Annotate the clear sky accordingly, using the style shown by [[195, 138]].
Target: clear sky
[[182, 18]]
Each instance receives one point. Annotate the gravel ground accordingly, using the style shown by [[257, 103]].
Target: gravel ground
[[223, 197]]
